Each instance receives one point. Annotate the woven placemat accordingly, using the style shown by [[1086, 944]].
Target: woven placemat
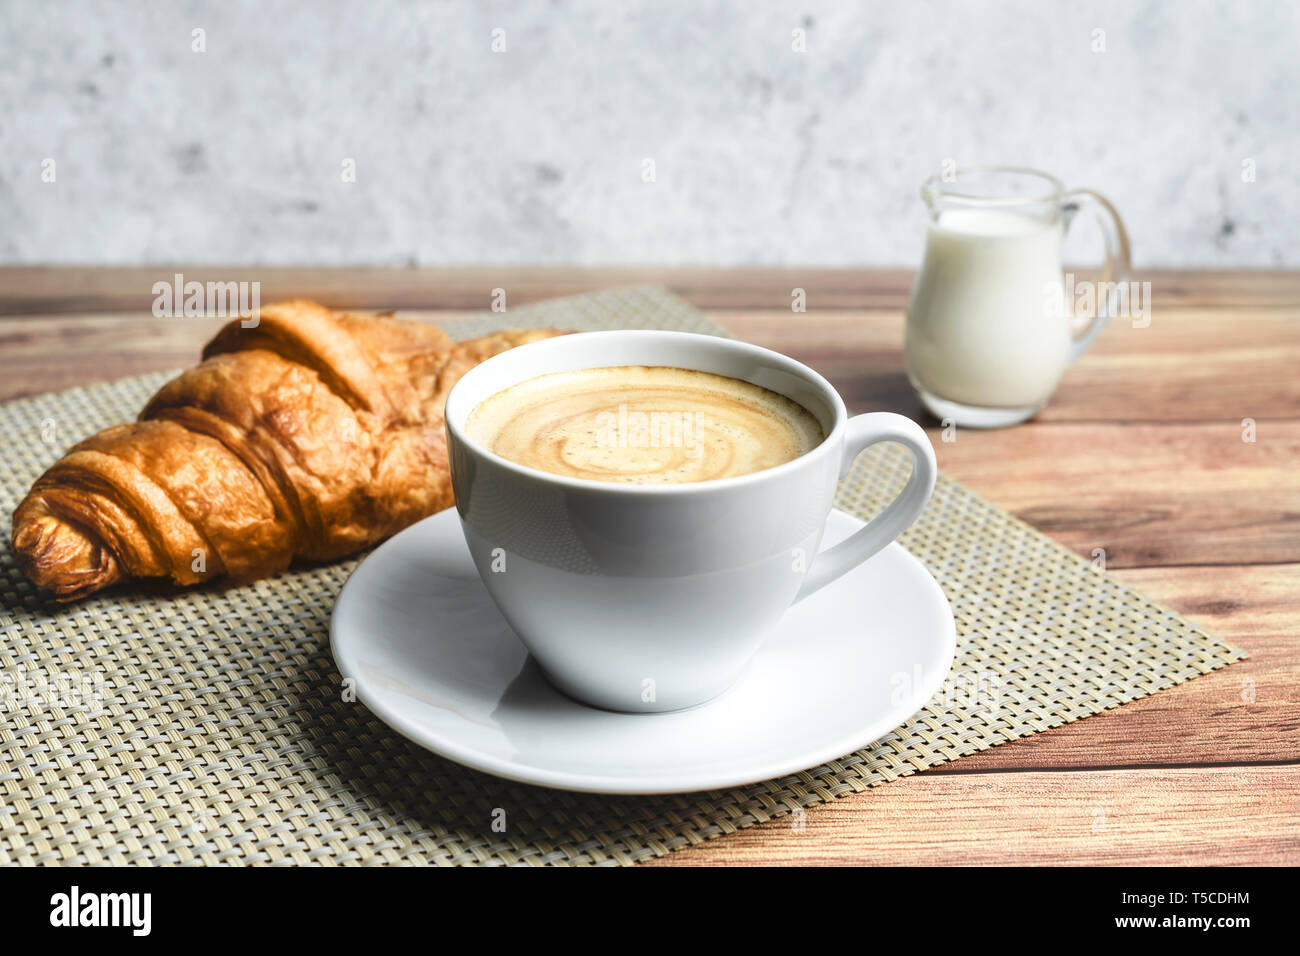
[[209, 727]]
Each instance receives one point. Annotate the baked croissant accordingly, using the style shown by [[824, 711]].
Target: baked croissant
[[311, 435]]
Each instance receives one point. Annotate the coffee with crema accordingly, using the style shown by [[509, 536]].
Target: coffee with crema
[[643, 425]]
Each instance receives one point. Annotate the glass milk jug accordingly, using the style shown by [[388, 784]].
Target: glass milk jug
[[989, 329]]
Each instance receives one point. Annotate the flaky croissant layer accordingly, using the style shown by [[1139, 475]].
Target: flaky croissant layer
[[313, 435]]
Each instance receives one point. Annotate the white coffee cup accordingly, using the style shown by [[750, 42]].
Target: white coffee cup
[[647, 598]]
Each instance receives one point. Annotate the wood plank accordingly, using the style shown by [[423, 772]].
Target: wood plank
[[58, 352], [1207, 364], [53, 289], [1246, 714], [1172, 494], [33, 289], [1203, 817]]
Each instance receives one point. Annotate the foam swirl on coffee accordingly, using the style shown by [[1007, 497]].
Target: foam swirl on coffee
[[643, 425]]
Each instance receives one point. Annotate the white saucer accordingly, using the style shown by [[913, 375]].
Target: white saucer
[[433, 658]]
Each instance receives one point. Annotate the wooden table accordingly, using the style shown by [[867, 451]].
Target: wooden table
[[1141, 453]]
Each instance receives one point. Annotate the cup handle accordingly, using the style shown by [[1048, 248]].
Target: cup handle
[[1114, 268], [863, 432]]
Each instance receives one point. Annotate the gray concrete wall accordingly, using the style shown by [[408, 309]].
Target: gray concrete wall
[[535, 154]]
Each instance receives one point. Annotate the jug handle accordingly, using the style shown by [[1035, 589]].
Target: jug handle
[[1115, 268]]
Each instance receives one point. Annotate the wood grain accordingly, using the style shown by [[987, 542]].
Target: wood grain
[[1140, 452], [1188, 816], [49, 289], [1172, 494], [1246, 714], [51, 353]]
